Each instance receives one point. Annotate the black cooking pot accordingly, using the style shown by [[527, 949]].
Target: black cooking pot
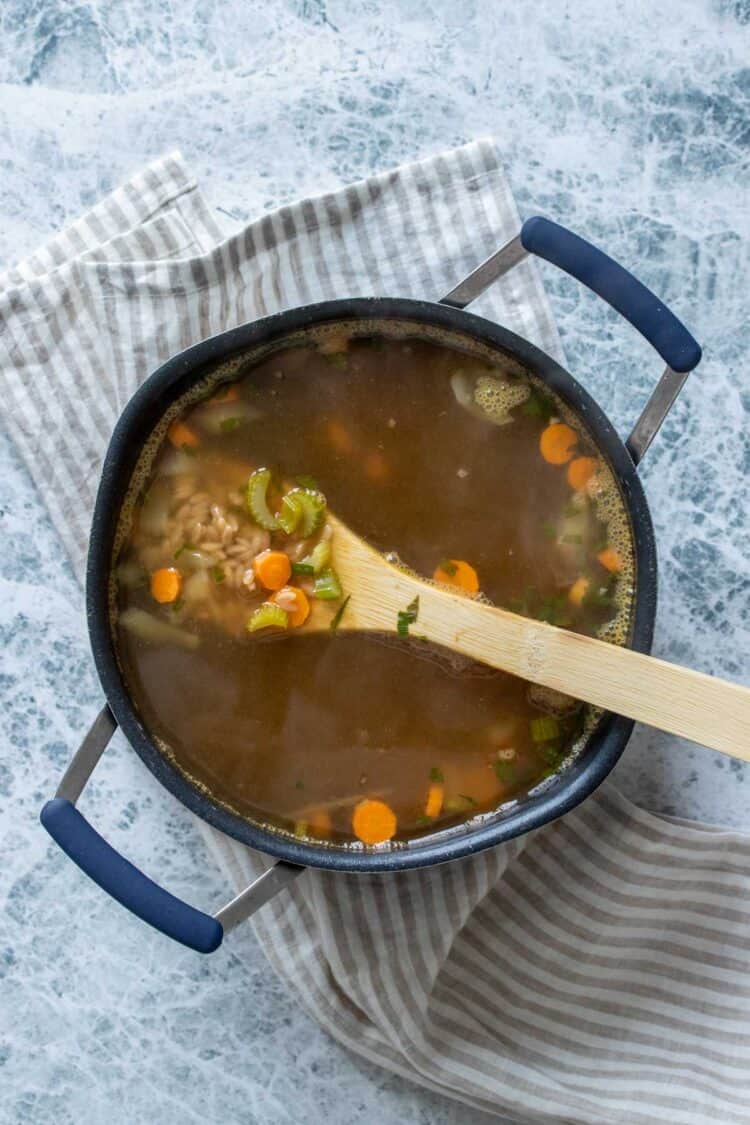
[[560, 793]]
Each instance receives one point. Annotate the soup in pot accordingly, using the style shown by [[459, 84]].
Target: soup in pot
[[452, 458]]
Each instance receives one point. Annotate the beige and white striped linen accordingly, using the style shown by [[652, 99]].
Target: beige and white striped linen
[[596, 971]]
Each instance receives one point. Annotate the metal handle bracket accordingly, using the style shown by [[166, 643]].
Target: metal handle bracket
[[125, 882]]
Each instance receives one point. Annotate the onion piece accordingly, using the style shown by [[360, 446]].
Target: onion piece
[[149, 628]]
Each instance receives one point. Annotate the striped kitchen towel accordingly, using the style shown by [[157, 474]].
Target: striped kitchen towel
[[597, 971]]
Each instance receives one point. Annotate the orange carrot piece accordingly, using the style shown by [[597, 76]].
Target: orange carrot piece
[[272, 569], [299, 615], [556, 443], [578, 591], [580, 472], [339, 437], [166, 584], [610, 560], [461, 574], [376, 467], [320, 823], [373, 822], [229, 393], [180, 435], [434, 804]]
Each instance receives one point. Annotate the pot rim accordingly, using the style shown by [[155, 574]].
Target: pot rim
[[604, 745]]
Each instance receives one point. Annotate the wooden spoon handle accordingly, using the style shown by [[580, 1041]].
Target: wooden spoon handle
[[704, 709]]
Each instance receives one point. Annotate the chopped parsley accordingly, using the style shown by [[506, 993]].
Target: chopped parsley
[[336, 619]]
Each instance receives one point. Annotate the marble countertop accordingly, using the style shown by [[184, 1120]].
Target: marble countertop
[[629, 122]]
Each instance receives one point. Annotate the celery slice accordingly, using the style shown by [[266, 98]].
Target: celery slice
[[327, 585], [313, 505], [319, 557], [290, 513], [256, 499], [266, 615], [544, 728]]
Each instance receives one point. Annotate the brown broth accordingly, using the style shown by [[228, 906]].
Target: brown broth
[[287, 729]]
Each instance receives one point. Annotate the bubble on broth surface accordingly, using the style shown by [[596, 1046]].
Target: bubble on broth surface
[[497, 397]]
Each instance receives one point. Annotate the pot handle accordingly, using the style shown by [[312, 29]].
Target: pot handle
[[618, 288], [125, 882]]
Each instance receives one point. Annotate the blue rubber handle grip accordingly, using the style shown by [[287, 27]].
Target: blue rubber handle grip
[[616, 286], [126, 883]]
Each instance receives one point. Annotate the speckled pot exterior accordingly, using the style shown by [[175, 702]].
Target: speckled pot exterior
[[139, 417]]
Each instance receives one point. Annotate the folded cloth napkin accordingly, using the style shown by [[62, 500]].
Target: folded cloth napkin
[[595, 971]]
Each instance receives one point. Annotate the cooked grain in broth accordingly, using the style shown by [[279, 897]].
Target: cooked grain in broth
[[468, 471]]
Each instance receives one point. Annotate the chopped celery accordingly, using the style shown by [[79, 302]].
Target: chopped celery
[[436, 774], [301, 828], [460, 803], [313, 504], [319, 557], [268, 615], [307, 481], [303, 568], [257, 503], [327, 585], [544, 728], [290, 513]]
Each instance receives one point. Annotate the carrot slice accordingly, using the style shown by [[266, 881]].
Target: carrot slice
[[557, 442], [181, 435], [339, 437], [320, 823], [455, 572], [272, 569], [580, 472], [373, 822], [610, 560], [434, 804], [299, 615], [376, 467], [230, 393], [578, 591], [166, 584]]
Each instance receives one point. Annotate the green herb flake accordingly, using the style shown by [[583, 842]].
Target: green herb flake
[[302, 568], [336, 619], [306, 481], [338, 359], [301, 828], [423, 821], [504, 771], [549, 530], [217, 573], [407, 617], [229, 424], [189, 450], [538, 405], [578, 539], [469, 800], [177, 605], [436, 774], [448, 567], [299, 784]]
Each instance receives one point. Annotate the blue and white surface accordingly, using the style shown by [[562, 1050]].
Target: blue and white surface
[[627, 122]]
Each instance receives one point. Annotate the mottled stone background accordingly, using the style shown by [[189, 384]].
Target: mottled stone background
[[630, 122]]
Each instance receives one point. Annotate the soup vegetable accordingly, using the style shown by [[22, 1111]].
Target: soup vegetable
[[461, 466]]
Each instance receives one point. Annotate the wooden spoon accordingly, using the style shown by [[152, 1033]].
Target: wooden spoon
[[702, 708]]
